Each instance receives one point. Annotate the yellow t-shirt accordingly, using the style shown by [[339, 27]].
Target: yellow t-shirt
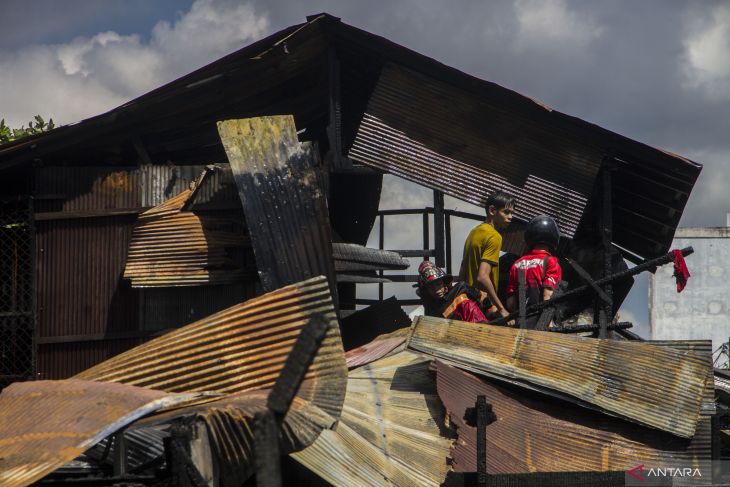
[[482, 244]]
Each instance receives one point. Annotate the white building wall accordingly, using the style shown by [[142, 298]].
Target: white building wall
[[702, 310]]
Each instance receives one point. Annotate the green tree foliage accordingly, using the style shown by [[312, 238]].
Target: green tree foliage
[[35, 126]]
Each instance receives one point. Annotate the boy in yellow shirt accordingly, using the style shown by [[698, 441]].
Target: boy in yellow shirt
[[480, 264]]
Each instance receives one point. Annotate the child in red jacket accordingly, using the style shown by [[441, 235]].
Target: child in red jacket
[[443, 298], [541, 268]]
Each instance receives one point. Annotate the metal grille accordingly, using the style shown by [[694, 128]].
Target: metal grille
[[17, 295]]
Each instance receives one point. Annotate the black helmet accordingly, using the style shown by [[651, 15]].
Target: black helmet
[[542, 229]]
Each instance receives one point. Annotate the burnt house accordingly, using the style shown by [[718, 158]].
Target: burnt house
[[129, 223], [186, 266]]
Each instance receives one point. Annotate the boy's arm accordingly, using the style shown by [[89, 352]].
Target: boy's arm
[[484, 278], [553, 275]]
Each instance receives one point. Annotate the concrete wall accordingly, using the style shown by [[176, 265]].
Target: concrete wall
[[702, 310]]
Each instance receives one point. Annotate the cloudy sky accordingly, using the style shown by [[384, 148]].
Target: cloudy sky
[[657, 71]]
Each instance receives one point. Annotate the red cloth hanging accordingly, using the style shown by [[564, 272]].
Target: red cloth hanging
[[681, 273]]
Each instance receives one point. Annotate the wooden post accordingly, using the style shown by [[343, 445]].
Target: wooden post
[[438, 228], [606, 224], [482, 421]]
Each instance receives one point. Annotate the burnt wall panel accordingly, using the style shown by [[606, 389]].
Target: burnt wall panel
[[85, 188], [79, 272], [63, 360]]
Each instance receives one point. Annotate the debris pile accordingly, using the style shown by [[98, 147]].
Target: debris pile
[[285, 375]]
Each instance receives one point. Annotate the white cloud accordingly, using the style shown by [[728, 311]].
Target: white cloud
[[552, 23], [88, 76], [707, 53]]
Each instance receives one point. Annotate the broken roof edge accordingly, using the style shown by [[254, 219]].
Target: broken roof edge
[[474, 85], [193, 79], [396, 52]]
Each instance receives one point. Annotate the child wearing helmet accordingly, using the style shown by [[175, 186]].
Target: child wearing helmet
[[542, 269], [443, 298]]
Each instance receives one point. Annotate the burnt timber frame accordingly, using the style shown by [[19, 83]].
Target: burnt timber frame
[[647, 265], [266, 424], [605, 306]]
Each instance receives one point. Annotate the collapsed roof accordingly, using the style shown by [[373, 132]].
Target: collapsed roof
[[375, 103]]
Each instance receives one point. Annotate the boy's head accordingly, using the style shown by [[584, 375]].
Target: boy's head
[[500, 207], [433, 280], [542, 230]]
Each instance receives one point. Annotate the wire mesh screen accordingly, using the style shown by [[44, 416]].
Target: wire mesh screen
[[17, 291]]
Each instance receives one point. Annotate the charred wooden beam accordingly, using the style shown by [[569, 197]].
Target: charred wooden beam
[[438, 228], [267, 424], [623, 325], [334, 127], [296, 365], [266, 451], [589, 280], [522, 298], [605, 309], [480, 416]]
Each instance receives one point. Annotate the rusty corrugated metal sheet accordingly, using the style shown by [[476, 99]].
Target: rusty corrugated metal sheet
[[240, 352], [93, 188], [343, 457], [86, 188], [171, 247], [370, 352], [237, 353], [535, 433], [239, 349], [142, 445], [160, 182], [174, 247], [46, 424], [437, 135], [282, 199], [618, 377], [79, 266], [390, 431], [80, 295]]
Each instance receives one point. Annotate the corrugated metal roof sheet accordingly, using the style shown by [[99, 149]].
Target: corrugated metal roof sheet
[[282, 199], [617, 377], [170, 247], [390, 431], [239, 349], [534, 433], [239, 352], [143, 445], [370, 352], [437, 135], [46, 424], [174, 247]]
